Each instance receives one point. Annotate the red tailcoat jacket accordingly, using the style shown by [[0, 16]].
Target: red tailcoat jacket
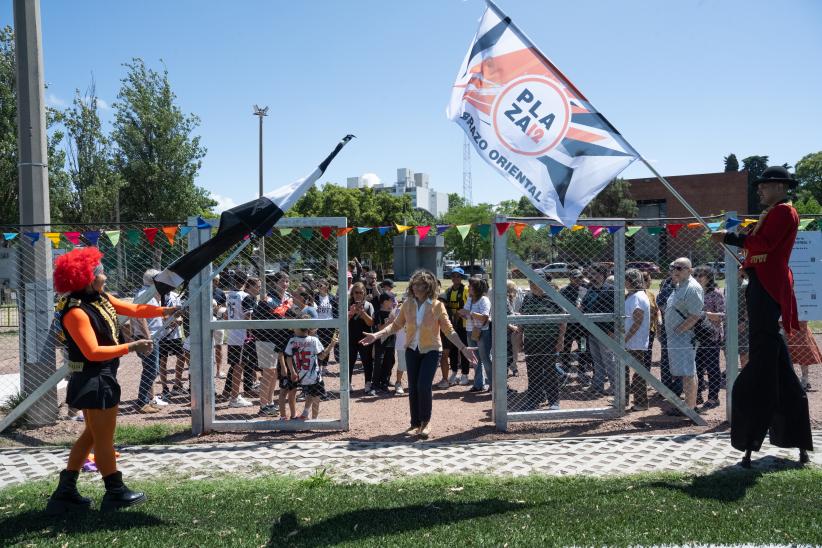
[[767, 251]]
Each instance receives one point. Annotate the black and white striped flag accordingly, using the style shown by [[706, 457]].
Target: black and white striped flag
[[257, 216]]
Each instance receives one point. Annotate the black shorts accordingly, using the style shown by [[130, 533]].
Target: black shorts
[[314, 390], [235, 355], [171, 347], [287, 384], [96, 388]]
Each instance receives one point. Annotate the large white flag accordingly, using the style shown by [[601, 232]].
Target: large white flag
[[530, 123]]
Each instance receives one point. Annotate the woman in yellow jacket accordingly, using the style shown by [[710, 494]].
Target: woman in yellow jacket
[[423, 317]]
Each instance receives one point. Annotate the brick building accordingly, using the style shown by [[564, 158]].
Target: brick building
[[708, 193]]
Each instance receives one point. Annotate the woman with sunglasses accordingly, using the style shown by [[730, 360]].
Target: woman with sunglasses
[[360, 322]]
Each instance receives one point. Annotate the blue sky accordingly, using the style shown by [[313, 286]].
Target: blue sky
[[686, 82]]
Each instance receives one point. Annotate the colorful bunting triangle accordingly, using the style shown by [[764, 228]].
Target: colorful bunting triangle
[[732, 223], [202, 223], [747, 222], [286, 231], [613, 229], [92, 236], [307, 233], [383, 230], [804, 223], [463, 230], [151, 233], [442, 228], [631, 230], [114, 236], [595, 229], [518, 228], [502, 228], [538, 226], [54, 237], [133, 236], [344, 231], [423, 231], [170, 231], [9, 235], [401, 228], [484, 230], [363, 229], [325, 231], [556, 229], [33, 236], [694, 225], [73, 237], [674, 228], [654, 230], [576, 228], [714, 226], [184, 230]]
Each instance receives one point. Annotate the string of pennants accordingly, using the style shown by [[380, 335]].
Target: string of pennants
[[171, 233]]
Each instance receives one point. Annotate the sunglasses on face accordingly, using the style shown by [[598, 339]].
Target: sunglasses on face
[[678, 267]]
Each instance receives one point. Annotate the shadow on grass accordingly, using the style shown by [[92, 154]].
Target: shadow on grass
[[27, 525], [363, 523], [728, 484]]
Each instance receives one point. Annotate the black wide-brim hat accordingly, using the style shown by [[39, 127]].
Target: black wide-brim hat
[[776, 174]]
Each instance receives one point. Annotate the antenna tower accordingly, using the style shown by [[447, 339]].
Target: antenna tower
[[466, 171]]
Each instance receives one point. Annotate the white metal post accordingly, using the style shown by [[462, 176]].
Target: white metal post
[[731, 324]]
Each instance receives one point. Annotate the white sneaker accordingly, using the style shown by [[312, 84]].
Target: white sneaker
[[464, 380], [443, 384], [398, 389], [239, 402], [452, 380], [554, 407], [159, 402]]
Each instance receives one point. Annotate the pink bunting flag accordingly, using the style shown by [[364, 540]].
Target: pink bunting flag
[[423, 231], [73, 237], [151, 233], [595, 230]]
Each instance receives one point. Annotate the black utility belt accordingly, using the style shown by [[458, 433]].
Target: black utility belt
[[85, 367]]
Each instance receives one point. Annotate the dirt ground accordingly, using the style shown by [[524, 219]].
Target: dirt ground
[[458, 415]]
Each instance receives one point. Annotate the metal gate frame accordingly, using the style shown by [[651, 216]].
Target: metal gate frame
[[500, 318], [201, 372]]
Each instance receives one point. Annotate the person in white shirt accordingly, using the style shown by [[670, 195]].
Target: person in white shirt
[[239, 305], [637, 332], [477, 314]]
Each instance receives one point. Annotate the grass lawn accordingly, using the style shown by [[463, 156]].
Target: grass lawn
[[724, 507]]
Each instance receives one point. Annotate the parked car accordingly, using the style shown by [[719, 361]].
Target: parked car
[[719, 268], [645, 266], [555, 269]]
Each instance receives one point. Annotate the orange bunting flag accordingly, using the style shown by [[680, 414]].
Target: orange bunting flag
[[673, 229], [170, 231], [518, 228], [423, 231], [402, 228], [344, 231], [326, 232], [151, 233], [695, 225], [502, 228]]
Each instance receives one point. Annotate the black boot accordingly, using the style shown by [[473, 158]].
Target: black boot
[[118, 495], [803, 456], [66, 498], [746, 460]]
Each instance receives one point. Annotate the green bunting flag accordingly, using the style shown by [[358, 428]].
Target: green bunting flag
[[654, 230], [803, 224], [133, 235], [484, 231], [285, 231], [307, 233], [113, 236], [463, 230], [631, 230]]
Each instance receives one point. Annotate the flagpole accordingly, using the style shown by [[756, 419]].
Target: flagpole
[[679, 197]]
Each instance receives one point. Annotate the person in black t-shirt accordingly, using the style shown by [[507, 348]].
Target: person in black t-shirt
[[383, 350], [360, 321]]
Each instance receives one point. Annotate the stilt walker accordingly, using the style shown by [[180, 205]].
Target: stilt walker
[[93, 344], [767, 395]]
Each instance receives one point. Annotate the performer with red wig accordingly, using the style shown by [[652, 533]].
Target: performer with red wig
[[94, 348]]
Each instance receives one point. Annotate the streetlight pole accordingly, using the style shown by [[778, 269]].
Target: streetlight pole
[[261, 113]]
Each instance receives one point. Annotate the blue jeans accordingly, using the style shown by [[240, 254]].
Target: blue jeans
[[421, 369], [482, 370], [604, 365], [151, 368]]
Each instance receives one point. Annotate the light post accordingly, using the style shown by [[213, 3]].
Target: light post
[[261, 112]]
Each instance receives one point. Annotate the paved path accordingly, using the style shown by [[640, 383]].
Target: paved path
[[376, 462]]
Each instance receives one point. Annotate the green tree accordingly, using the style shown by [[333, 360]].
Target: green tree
[[754, 165], [809, 174], [614, 200], [94, 182], [9, 183], [731, 163], [455, 201], [156, 154], [474, 246], [580, 246], [808, 205]]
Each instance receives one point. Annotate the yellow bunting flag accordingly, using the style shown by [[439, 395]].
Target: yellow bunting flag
[[54, 237], [402, 228], [747, 222], [576, 227]]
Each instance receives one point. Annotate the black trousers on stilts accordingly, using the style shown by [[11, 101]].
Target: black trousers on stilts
[[767, 395]]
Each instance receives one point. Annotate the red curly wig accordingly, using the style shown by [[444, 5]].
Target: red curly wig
[[75, 270]]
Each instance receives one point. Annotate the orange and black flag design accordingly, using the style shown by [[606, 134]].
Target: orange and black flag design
[[254, 217], [529, 122]]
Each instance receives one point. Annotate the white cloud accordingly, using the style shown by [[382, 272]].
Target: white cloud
[[371, 179], [102, 104], [53, 101], [223, 202]]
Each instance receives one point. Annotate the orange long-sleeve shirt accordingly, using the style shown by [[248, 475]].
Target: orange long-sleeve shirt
[[78, 325]]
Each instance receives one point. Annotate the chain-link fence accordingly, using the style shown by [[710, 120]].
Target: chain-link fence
[[280, 348], [659, 287], [31, 343]]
